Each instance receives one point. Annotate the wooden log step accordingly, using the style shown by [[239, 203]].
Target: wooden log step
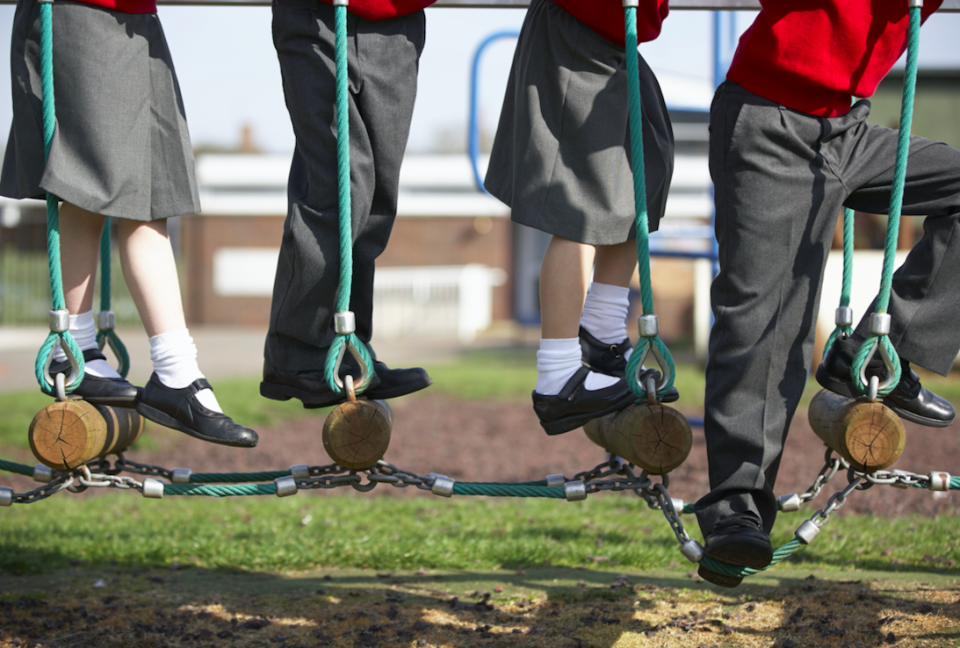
[[656, 438], [868, 435], [356, 434], [68, 434]]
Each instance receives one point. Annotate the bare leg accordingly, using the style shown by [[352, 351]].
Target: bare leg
[[564, 276], [151, 275], [79, 245], [615, 264]]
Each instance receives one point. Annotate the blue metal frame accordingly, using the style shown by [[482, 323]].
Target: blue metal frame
[[473, 130]]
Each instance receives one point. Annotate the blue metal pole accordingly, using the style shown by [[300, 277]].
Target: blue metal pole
[[473, 129]]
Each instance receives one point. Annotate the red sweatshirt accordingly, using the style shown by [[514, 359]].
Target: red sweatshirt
[[816, 58], [383, 9], [606, 17], [125, 6]]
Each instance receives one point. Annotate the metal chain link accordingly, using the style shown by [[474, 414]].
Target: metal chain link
[[831, 465], [56, 485]]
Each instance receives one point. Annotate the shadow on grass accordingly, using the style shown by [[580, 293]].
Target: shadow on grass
[[129, 605]]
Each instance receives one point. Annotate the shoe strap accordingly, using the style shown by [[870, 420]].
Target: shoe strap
[[200, 384], [93, 354], [573, 385]]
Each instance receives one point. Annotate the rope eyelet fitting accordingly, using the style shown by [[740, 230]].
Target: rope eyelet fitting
[[6, 496], [556, 481], [665, 372], [42, 474], [807, 532], [789, 503], [286, 486], [692, 550], [180, 476], [888, 382], [366, 371], [106, 321], [844, 316]]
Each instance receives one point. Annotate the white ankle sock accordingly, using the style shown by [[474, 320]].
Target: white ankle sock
[[605, 313], [174, 357], [557, 361], [84, 332]]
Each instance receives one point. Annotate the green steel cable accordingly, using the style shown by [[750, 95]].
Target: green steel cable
[[17, 468], [53, 213], [346, 226], [896, 204], [506, 490], [640, 202], [109, 336], [845, 330], [220, 490], [237, 478]]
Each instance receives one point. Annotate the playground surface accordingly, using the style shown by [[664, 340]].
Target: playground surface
[[405, 568]]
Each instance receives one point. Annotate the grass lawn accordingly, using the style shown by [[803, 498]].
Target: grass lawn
[[348, 570]]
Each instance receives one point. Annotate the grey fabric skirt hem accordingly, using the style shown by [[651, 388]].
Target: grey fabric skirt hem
[[121, 146], [561, 156]]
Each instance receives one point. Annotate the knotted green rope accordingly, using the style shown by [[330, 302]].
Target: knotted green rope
[[53, 214], [346, 227], [109, 336], [896, 204], [640, 202], [844, 331]]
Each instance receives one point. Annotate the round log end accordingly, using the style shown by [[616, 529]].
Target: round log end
[[656, 438], [873, 436], [357, 434], [67, 434]]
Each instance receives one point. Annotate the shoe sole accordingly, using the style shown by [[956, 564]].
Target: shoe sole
[[843, 388], [278, 392], [400, 390], [166, 420], [125, 403], [737, 554], [720, 580], [574, 421]]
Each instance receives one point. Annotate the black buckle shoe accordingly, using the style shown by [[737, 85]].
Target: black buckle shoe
[[313, 391], [115, 392], [575, 406], [180, 410], [909, 399], [609, 359], [720, 580], [739, 540]]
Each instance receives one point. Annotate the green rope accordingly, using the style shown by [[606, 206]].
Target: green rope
[[896, 204], [640, 202], [53, 214], [346, 226], [779, 555], [109, 336], [506, 490], [17, 468], [210, 490], [846, 330], [238, 478]]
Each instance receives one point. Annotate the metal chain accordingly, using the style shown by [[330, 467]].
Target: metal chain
[[836, 502], [831, 465], [56, 485]]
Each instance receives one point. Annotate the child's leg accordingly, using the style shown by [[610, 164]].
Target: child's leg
[[605, 309], [564, 275], [79, 245], [177, 394], [151, 275]]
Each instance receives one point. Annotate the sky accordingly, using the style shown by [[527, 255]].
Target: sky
[[229, 74]]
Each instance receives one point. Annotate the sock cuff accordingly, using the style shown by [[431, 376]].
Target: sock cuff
[[172, 344], [609, 293], [559, 345]]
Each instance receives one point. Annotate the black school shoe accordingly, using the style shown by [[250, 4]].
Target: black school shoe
[[574, 406], [609, 359], [179, 409], [115, 392], [909, 399], [720, 580], [313, 391], [738, 540]]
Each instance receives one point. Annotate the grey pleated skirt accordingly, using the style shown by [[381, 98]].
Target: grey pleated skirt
[[121, 146], [561, 156]]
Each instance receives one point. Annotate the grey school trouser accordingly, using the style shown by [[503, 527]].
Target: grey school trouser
[[383, 58], [781, 178]]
